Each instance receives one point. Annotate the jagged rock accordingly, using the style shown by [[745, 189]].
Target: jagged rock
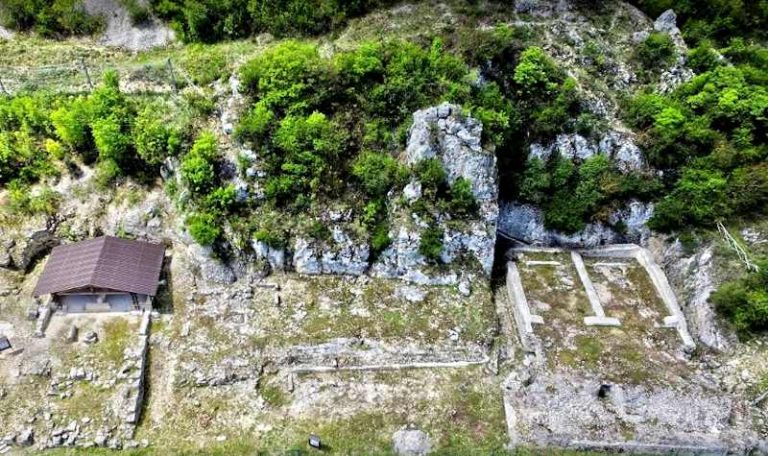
[[26, 437], [635, 217], [526, 223], [31, 246], [412, 191], [142, 219], [211, 268], [5, 253], [341, 255], [619, 146], [411, 442], [693, 279], [444, 133], [667, 23], [273, 255], [671, 78]]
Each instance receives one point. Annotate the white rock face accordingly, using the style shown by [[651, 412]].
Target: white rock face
[[442, 132], [671, 78], [122, 33], [412, 191], [342, 255], [619, 146], [667, 23], [274, 256], [693, 279], [526, 223], [211, 268]]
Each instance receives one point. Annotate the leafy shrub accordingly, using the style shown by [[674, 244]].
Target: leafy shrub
[[155, 134], [203, 228], [380, 239], [462, 202], [713, 19], [107, 171], [657, 51], [198, 166], [71, 123], [709, 137], [21, 200], [221, 200], [703, 58], [431, 244], [431, 174], [699, 198], [377, 173], [204, 65], [287, 76], [50, 18], [255, 125], [213, 20], [110, 138], [745, 301], [536, 74], [300, 162], [139, 12]]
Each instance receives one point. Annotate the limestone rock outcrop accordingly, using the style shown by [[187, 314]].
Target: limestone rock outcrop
[[444, 133]]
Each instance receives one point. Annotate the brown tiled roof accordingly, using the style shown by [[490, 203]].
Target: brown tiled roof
[[103, 262]]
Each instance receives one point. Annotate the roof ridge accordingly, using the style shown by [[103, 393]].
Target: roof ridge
[[92, 276]]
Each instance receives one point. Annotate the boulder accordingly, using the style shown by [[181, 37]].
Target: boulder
[[411, 442], [26, 249]]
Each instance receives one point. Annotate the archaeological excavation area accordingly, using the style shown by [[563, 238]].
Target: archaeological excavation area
[[576, 349]]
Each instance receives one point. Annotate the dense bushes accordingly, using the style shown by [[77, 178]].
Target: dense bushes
[[198, 166], [709, 137], [214, 20], [431, 244], [572, 195], [656, 52], [44, 135], [50, 18], [717, 19], [745, 301], [328, 126], [194, 21]]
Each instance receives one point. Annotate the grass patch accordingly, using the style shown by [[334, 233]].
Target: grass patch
[[113, 339], [273, 395], [589, 348]]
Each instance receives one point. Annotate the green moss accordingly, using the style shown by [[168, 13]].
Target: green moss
[[113, 340]]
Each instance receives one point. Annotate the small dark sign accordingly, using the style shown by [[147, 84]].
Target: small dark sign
[[314, 441], [5, 344]]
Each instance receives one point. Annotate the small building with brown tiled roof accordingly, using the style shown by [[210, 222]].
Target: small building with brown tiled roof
[[104, 274]]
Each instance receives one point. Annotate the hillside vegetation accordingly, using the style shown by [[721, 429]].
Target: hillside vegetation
[[329, 126]]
